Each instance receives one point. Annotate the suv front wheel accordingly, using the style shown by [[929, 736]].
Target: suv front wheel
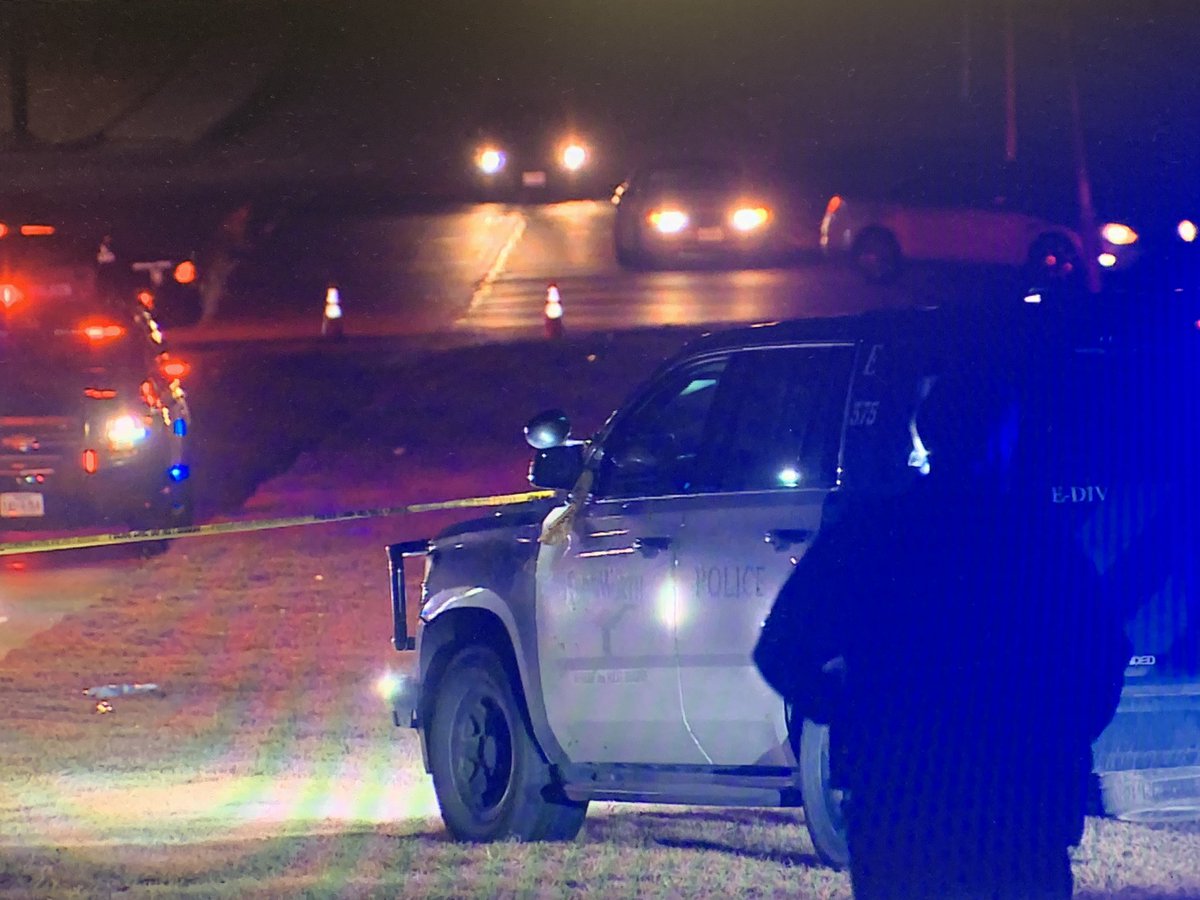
[[490, 778]]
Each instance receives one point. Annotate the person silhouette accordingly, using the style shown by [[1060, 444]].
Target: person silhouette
[[980, 658]]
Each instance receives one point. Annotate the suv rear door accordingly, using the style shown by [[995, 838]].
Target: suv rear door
[[773, 456]]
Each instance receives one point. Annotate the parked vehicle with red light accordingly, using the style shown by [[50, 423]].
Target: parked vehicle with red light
[[93, 414], [684, 213]]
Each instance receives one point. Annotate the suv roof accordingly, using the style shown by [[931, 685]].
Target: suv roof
[[1074, 321]]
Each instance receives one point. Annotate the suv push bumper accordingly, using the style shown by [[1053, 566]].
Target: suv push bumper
[[397, 553], [405, 694]]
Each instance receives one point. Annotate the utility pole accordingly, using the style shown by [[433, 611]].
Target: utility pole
[[1088, 237], [965, 44], [13, 23], [1010, 85]]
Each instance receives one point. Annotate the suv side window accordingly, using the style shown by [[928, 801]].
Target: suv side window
[[655, 450], [779, 419]]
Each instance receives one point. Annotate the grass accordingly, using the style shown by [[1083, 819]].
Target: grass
[[268, 767]]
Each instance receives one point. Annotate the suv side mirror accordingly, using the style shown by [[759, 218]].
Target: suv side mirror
[[557, 468], [548, 429]]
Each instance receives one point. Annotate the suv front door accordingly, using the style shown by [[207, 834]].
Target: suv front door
[[606, 588]]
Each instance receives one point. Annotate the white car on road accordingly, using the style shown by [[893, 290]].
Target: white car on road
[[989, 222]]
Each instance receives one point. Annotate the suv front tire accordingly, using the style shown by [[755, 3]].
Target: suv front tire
[[491, 780]]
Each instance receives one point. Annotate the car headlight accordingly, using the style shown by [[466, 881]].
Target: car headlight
[[125, 432], [490, 160], [1118, 235], [668, 221], [574, 157], [749, 218]]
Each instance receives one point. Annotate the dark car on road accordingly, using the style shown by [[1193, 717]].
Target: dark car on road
[[681, 213], [539, 166], [93, 414], [598, 645]]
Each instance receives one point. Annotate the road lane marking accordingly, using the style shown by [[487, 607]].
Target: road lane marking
[[484, 288]]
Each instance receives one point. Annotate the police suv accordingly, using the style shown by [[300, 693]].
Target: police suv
[[597, 645], [93, 413]]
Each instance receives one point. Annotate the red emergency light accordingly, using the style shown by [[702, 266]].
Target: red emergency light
[[185, 272], [102, 331], [175, 368]]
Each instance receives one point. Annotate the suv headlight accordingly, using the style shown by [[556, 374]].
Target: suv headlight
[[125, 432]]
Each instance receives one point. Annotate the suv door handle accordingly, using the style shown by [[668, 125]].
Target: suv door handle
[[651, 546], [782, 538]]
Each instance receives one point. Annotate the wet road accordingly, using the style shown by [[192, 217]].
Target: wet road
[[483, 271], [570, 245]]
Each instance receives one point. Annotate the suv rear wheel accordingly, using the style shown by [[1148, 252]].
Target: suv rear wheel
[[491, 780]]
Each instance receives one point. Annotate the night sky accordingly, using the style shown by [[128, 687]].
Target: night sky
[[788, 80]]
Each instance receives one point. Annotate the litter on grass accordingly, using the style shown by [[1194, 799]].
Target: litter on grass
[[108, 691]]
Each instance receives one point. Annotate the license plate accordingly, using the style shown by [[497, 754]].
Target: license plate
[[533, 179], [710, 234], [23, 505]]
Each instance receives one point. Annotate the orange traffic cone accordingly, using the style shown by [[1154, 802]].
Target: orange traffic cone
[[331, 321], [553, 313]]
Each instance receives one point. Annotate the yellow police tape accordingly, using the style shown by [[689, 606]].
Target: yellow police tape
[[162, 534]]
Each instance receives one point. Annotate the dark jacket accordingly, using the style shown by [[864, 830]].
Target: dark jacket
[[982, 659]]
